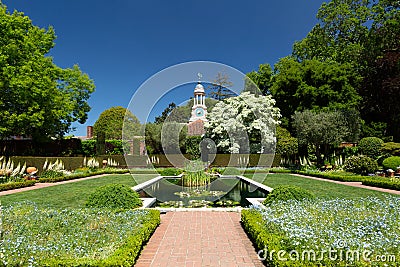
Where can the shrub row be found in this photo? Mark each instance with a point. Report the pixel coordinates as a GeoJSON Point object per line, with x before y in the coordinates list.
{"type": "Point", "coordinates": [126, 255]}
{"type": "Point", "coordinates": [254, 226]}
{"type": "Point", "coordinates": [16, 185]}
{"type": "Point", "coordinates": [329, 176]}
{"type": "Point", "coordinates": [169, 171]}
{"type": "Point", "coordinates": [82, 175]}
{"type": "Point", "coordinates": [383, 183]}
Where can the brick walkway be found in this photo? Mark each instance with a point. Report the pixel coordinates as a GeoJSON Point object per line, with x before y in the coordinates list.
{"type": "Point", "coordinates": [199, 238]}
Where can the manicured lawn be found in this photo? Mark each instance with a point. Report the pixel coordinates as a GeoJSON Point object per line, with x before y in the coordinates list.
{"type": "Point", "coordinates": [321, 189]}
{"type": "Point", "coordinates": [71, 195]}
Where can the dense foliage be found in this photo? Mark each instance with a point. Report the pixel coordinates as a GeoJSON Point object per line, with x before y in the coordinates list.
{"type": "Point", "coordinates": [371, 146]}
{"type": "Point", "coordinates": [324, 130]}
{"type": "Point", "coordinates": [287, 192]}
{"type": "Point", "coordinates": [392, 163]}
{"type": "Point", "coordinates": [37, 98]}
{"type": "Point", "coordinates": [192, 147]}
{"type": "Point", "coordinates": [351, 56]}
{"type": "Point", "coordinates": [115, 121]}
{"type": "Point", "coordinates": [114, 196]}
{"type": "Point", "coordinates": [361, 165]}
{"type": "Point", "coordinates": [391, 148]}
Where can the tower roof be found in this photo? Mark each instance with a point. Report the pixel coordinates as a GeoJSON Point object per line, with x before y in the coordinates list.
{"type": "Point", "coordinates": [199, 88]}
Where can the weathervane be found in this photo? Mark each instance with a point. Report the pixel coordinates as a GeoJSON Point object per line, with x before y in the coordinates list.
{"type": "Point", "coordinates": [200, 76]}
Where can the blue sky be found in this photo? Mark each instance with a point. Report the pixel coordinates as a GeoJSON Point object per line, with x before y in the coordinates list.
{"type": "Point", "coordinates": [122, 43]}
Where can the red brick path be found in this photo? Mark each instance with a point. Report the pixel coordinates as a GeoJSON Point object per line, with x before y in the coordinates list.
{"type": "Point", "coordinates": [199, 238]}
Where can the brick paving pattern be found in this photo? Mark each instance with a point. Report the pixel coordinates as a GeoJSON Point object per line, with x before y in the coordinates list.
{"type": "Point", "coordinates": [199, 238]}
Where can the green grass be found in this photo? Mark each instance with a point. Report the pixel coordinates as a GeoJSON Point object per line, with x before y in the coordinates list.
{"type": "Point", "coordinates": [71, 195]}
{"type": "Point", "coordinates": [321, 189]}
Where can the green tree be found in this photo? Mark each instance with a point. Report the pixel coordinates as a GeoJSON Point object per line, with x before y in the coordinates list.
{"type": "Point", "coordinates": [287, 146]}
{"type": "Point", "coordinates": [260, 80]}
{"type": "Point", "coordinates": [364, 34]}
{"type": "Point", "coordinates": [153, 138]}
{"type": "Point", "coordinates": [313, 85]}
{"type": "Point", "coordinates": [339, 34]}
{"type": "Point", "coordinates": [173, 136]}
{"type": "Point", "coordinates": [220, 87]}
{"type": "Point", "coordinates": [115, 122]}
{"type": "Point", "coordinates": [37, 98]}
{"type": "Point", "coordinates": [323, 130]}
{"type": "Point", "coordinates": [164, 115]}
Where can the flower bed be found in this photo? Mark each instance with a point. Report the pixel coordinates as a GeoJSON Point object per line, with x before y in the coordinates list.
{"type": "Point", "coordinates": [74, 237]}
{"type": "Point", "coordinates": [353, 231]}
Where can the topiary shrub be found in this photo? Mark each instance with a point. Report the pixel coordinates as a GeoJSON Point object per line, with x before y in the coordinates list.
{"type": "Point", "coordinates": [371, 146]}
{"type": "Point", "coordinates": [391, 148]}
{"type": "Point", "coordinates": [360, 165]}
{"type": "Point", "coordinates": [287, 192]}
{"type": "Point", "coordinates": [391, 163]}
{"type": "Point", "coordinates": [114, 196]}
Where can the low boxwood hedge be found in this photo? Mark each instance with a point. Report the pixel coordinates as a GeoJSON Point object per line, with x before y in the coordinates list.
{"type": "Point", "coordinates": [336, 177]}
{"type": "Point", "coordinates": [16, 185]}
{"type": "Point", "coordinates": [82, 175]}
{"type": "Point", "coordinates": [255, 228]}
{"type": "Point", "coordinates": [383, 183]}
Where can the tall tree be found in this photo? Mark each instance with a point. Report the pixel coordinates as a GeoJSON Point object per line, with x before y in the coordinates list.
{"type": "Point", "coordinates": [339, 34]}
{"type": "Point", "coordinates": [37, 98]}
{"type": "Point", "coordinates": [315, 85]}
{"type": "Point", "coordinates": [117, 123]}
{"type": "Point", "coordinates": [220, 87]}
{"type": "Point", "coordinates": [323, 130]}
{"type": "Point", "coordinates": [166, 112]}
{"type": "Point", "coordinates": [261, 78]}
{"type": "Point", "coordinates": [381, 70]}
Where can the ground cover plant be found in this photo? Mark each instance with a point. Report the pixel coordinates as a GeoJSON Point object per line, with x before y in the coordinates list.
{"type": "Point", "coordinates": [354, 231]}
{"type": "Point", "coordinates": [34, 236]}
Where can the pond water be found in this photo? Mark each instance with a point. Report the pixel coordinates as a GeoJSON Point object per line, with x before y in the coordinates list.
{"type": "Point", "coordinates": [221, 192]}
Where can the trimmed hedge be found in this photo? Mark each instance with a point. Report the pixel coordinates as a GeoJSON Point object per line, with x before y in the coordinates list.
{"type": "Point", "coordinates": [82, 175]}
{"type": "Point", "coordinates": [387, 183]}
{"type": "Point", "coordinates": [126, 255]}
{"type": "Point", "coordinates": [169, 171]}
{"type": "Point", "coordinates": [391, 163]}
{"type": "Point", "coordinates": [16, 185]}
{"type": "Point", "coordinates": [335, 177]}
{"type": "Point", "coordinates": [253, 225]}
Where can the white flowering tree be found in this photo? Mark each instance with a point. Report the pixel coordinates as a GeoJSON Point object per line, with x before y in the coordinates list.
{"type": "Point", "coordinates": [244, 124]}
